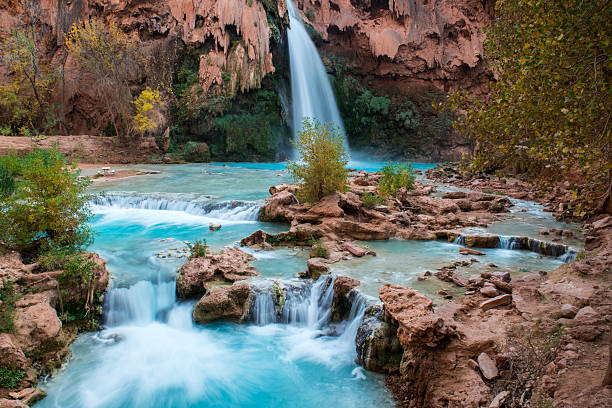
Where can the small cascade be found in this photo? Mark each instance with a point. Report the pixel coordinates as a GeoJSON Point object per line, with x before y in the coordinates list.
{"type": "Point", "coordinates": [460, 240]}
{"type": "Point", "coordinates": [509, 242]}
{"type": "Point", "coordinates": [140, 303]}
{"type": "Point", "coordinates": [296, 303]}
{"type": "Point", "coordinates": [312, 95]}
{"type": "Point", "coordinates": [227, 210]}
{"type": "Point", "coordinates": [263, 309]}
{"type": "Point", "coordinates": [535, 245]}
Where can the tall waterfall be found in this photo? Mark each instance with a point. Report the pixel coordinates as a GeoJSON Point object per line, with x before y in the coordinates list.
{"type": "Point", "coordinates": [311, 91]}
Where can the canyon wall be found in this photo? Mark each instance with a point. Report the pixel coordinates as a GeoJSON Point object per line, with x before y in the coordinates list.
{"type": "Point", "coordinates": [230, 36]}
{"type": "Point", "coordinates": [402, 46]}
{"type": "Point", "coordinates": [227, 69]}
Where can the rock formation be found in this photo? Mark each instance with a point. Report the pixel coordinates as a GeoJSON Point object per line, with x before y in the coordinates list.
{"type": "Point", "coordinates": [401, 45]}
{"type": "Point", "coordinates": [34, 310]}
{"type": "Point", "coordinates": [234, 34]}
{"type": "Point", "coordinates": [199, 274]}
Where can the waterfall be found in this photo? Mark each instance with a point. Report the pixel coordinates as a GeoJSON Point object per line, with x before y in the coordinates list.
{"type": "Point", "coordinates": [234, 210]}
{"type": "Point", "coordinates": [140, 303]}
{"type": "Point", "coordinates": [311, 91]}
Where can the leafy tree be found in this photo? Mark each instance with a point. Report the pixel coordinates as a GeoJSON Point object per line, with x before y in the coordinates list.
{"type": "Point", "coordinates": [396, 176]}
{"type": "Point", "coordinates": [24, 100]}
{"type": "Point", "coordinates": [114, 60]}
{"type": "Point", "coordinates": [148, 105]}
{"type": "Point", "coordinates": [549, 112]}
{"type": "Point", "coordinates": [45, 207]}
{"type": "Point", "coordinates": [322, 161]}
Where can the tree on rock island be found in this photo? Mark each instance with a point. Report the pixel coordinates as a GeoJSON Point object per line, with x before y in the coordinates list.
{"type": "Point", "coordinates": [322, 159]}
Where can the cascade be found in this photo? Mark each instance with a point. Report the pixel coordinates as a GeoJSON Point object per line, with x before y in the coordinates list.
{"type": "Point", "coordinates": [234, 210]}
{"type": "Point", "coordinates": [312, 94]}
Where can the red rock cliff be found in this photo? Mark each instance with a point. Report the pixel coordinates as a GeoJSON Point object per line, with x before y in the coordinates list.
{"type": "Point", "coordinates": [400, 45]}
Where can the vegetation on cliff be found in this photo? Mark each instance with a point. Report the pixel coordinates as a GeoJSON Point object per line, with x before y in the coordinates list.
{"type": "Point", "coordinates": [395, 127]}
{"type": "Point", "coordinates": [548, 115]}
{"type": "Point", "coordinates": [45, 213]}
{"type": "Point", "coordinates": [320, 168]}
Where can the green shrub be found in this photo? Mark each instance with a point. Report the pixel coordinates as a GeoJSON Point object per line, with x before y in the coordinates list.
{"type": "Point", "coordinates": [371, 200]}
{"type": "Point", "coordinates": [396, 176]}
{"type": "Point", "coordinates": [320, 169]}
{"type": "Point", "coordinates": [318, 249]}
{"type": "Point", "coordinates": [10, 378]}
{"type": "Point", "coordinates": [198, 249]}
{"type": "Point", "coordinates": [43, 204]}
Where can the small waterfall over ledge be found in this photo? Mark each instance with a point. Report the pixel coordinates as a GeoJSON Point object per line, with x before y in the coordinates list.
{"type": "Point", "coordinates": [311, 91]}
{"type": "Point", "coordinates": [309, 305]}
{"type": "Point", "coordinates": [234, 210]}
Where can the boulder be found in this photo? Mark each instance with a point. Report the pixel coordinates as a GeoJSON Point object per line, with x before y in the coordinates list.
{"type": "Point", "coordinates": [341, 306]}
{"type": "Point", "coordinates": [229, 266]}
{"type": "Point", "coordinates": [469, 251]}
{"type": "Point", "coordinates": [10, 354]}
{"type": "Point", "coordinates": [454, 195]}
{"type": "Point", "coordinates": [36, 322]}
{"type": "Point", "coordinates": [501, 300]}
{"type": "Point", "coordinates": [355, 250]}
{"type": "Point", "coordinates": [413, 313]}
{"type": "Point", "coordinates": [503, 276]}
{"type": "Point", "coordinates": [487, 366]}
{"type": "Point", "coordinates": [224, 303]}
{"type": "Point", "coordinates": [361, 230]}
{"type": "Point", "coordinates": [378, 348]}
{"type": "Point", "coordinates": [433, 206]}
{"type": "Point", "coordinates": [278, 188]}
{"type": "Point", "coordinates": [489, 291]}
{"type": "Point", "coordinates": [499, 399]}
{"type": "Point", "coordinates": [7, 403]}
{"type": "Point", "coordinates": [317, 267]}
{"type": "Point", "coordinates": [256, 240]}
{"type": "Point", "coordinates": [277, 207]}
{"type": "Point", "coordinates": [568, 311]}
{"type": "Point", "coordinates": [328, 207]}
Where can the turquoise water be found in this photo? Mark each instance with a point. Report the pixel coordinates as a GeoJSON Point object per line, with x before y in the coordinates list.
{"type": "Point", "coordinates": [401, 262]}
{"type": "Point", "coordinates": [150, 354]}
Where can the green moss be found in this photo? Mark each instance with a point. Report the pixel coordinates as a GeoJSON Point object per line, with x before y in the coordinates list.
{"type": "Point", "coordinates": [280, 296]}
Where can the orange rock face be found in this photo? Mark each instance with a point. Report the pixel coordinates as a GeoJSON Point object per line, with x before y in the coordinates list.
{"type": "Point", "coordinates": [236, 34]}
{"type": "Point", "coordinates": [407, 44]}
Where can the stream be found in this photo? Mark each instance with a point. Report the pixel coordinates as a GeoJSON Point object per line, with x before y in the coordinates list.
{"type": "Point", "coordinates": [151, 354]}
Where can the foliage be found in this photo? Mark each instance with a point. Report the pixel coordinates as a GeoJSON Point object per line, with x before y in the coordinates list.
{"type": "Point", "coordinates": [371, 200]}
{"type": "Point", "coordinates": [195, 152]}
{"type": "Point", "coordinates": [548, 115]}
{"type": "Point", "coordinates": [396, 176]}
{"type": "Point", "coordinates": [530, 350]}
{"type": "Point", "coordinates": [318, 249]}
{"type": "Point", "coordinates": [320, 169]}
{"type": "Point", "coordinates": [8, 297]}
{"type": "Point", "coordinates": [198, 249]}
{"type": "Point", "coordinates": [10, 378]}
{"type": "Point", "coordinates": [397, 126]}
{"type": "Point", "coordinates": [47, 205]}
{"type": "Point", "coordinates": [148, 105]}
{"type": "Point", "coordinates": [114, 59]}
{"type": "Point", "coordinates": [24, 99]}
